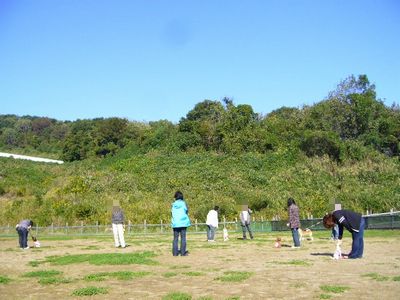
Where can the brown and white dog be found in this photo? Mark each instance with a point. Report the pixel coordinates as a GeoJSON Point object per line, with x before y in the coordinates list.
{"type": "Point", "coordinates": [305, 234]}
{"type": "Point", "coordinates": [225, 234]}
{"type": "Point", "coordinates": [278, 242]}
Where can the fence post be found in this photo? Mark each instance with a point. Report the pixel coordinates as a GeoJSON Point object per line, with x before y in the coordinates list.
{"type": "Point", "coordinates": [8, 225]}
{"type": "Point", "coordinates": [262, 223]}
{"type": "Point", "coordinates": [196, 224]}
{"type": "Point", "coordinates": [236, 224]}
{"type": "Point", "coordinates": [97, 227]}
{"type": "Point", "coordinates": [161, 227]}
{"type": "Point", "coordinates": [81, 227]}
{"type": "Point", "coordinates": [66, 228]}
{"type": "Point", "coordinates": [224, 222]}
{"type": "Point", "coordinates": [52, 228]}
{"type": "Point", "coordinates": [145, 226]}
{"type": "Point", "coordinates": [129, 227]}
{"type": "Point", "coordinates": [37, 228]}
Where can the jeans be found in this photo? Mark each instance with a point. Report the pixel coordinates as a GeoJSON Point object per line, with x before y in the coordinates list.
{"type": "Point", "coordinates": [357, 247]}
{"type": "Point", "coordinates": [295, 235]}
{"type": "Point", "coordinates": [182, 232]}
{"type": "Point", "coordinates": [118, 231]}
{"type": "Point", "coordinates": [246, 227]}
{"type": "Point", "coordinates": [335, 232]}
{"type": "Point", "coordinates": [211, 232]}
{"type": "Point", "coordinates": [23, 237]}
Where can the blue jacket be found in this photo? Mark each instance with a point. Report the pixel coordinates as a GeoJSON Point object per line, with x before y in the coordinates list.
{"type": "Point", "coordinates": [180, 216]}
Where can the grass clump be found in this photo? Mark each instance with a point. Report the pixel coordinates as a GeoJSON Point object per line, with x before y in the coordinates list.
{"type": "Point", "coordinates": [120, 275]}
{"type": "Point", "coordinates": [294, 262]}
{"type": "Point", "coordinates": [177, 296]}
{"type": "Point", "coordinates": [4, 279]}
{"type": "Point", "coordinates": [376, 276]}
{"type": "Point", "coordinates": [143, 258]}
{"type": "Point", "coordinates": [170, 274]}
{"type": "Point", "coordinates": [193, 273]}
{"type": "Point", "coordinates": [53, 280]}
{"type": "Point", "coordinates": [43, 273]}
{"type": "Point", "coordinates": [89, 291]}
{"type": "Point", "coordinates": [325, 296]}
{"type": "Point", "coordinates": [234, 276]}
{"type": "Point", "coordinates": [396, 278]}
{"type": "Point", "coordinates": [336, 289]}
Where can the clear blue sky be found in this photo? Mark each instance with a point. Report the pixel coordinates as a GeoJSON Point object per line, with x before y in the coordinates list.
{"type": "Point", "coordinates": [149, 60]}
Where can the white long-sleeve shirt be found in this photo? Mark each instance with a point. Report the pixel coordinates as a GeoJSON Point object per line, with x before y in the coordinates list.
{"type": "Point", "coordinates": [212, 218]}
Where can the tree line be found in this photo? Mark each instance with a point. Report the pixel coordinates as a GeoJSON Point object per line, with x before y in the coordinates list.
{"type": "Point", "coordinates": [349, 119]}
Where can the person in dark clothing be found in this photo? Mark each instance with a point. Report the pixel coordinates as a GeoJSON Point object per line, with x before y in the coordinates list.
{"type": "Point", "coordinates": [354, 223]}
{"type": "Point", "coordinates": [23, 228]}
{"type": "Point", "coordinates": [294, 221]}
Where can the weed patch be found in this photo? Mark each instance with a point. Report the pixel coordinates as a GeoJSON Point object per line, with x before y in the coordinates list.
{"type": "Point", "coordinates": [53, 280]}
{"type": "Point", "coordinates": [120, 275]}
{"type": "Point", "coordinates": [143, 258]}
{"type": "Point", "coordinates": [396, 278]}
{"type": "Point", "coordinates": [294, 262]}
{"type": "Point", "coordinates": [43, 273]}
{"type": "Point", "coordinates": [90, 291]}
{"type": "Point", "coordinates": [177, 296]}
{"type": "Point", "coordinates": [4, 279]}
{"type": "Point", "coordinates": [193, 273]}
{"type": "Point", "coordinates": [234, 276]}
{"type": "Point", "coordinates": [170, 274]}
{"type": "Point", "coordinates": [336, 289]}
{"type": "Point", "coordinates": [376, 276]}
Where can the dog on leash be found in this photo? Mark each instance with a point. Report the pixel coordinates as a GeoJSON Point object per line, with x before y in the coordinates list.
{"type": "Point", "coordinates": [225, 234]}
{"type": "Point", "coordinates": [305, 233]}
{"type": "Point", "coordinates": [338, 252]}
{"type": "Point", "coordinates": [278, 242]}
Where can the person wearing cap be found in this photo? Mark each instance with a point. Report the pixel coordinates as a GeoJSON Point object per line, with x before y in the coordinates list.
{"type": "Point", "coordinates": [23, 228]}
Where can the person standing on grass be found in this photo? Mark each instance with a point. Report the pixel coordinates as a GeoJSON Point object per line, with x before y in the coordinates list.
{"type": "Point", "coordinates": [117, 220]}
{"type": "Point", "coordinates": [245, 220]}
{"type": "Point", "coordinates": [23, 228]}
{"type": "Point", "coordinates": [179, 223]}
{"type": "Point", "coordinates": [294, 221]}
{"type": "Point", "coordinates": [355, 223]}
{"type": "Point", "coordinates": [212, 223]}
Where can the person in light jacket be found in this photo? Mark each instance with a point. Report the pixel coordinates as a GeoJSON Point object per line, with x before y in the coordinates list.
{"type": "Point", "coordinates": [117, 220]}
{"type": "Point", "coordinates": [212, 223]}
{"type": "Point", "coordinates": [180, 222]}
{"type": "Point", "coordinates": [245, 220]}
{"type": "Point", "coordinates": [294, 221]}
{"type": "Point", "coordinates": [23, 228]}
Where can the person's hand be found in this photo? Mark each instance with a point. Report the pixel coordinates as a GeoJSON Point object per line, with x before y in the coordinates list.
{"type": "Point", "coordinates": [287, 224]}
{"type": "Point", "coordinates": [338, 242]}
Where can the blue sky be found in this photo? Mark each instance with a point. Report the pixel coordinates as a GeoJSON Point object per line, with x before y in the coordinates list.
{"type": "Point", "coordinates": [150, 60]}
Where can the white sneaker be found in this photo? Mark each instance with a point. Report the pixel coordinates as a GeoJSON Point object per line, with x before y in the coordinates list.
{"type": "Point", "coordinates": [26, 247]}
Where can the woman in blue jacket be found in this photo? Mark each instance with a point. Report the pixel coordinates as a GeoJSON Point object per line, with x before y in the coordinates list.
{"type": "Point", "coordinates": [180, 221]}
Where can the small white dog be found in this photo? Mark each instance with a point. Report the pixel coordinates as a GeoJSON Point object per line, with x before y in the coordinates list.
{"type": "Point", "coordinates": [338, 252]}
{"type": "Point", "coordinates": [225, 234]}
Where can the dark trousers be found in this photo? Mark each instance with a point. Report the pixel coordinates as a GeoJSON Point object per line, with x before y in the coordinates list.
{"type": "Point", "coordinates": [296, 238]}
{"type": "Point", "coordinates": [246, 227]}
{"type": "Point", "coordinates": [23, 237]}
{"type": "Point", "coordinates": [181, 231]}
{"type": "Point", "coordinates": [357, 247]}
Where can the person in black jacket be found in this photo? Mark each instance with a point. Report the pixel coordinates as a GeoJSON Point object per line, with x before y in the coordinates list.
{"type": "Point", "coordinates": [354, 222]}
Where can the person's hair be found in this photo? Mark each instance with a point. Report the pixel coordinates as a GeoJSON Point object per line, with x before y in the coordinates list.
{"type": "Point", "coordinates": [31, 223]}
{"type": "Point", "coordinates": [216, 207]}
{"type": "Point", "coordinates": [178, 195]}
{"type": "Point", "coordinates": [116, 208]}
{"type": "Point", "coordinates": [290, 201]}
{"type": "Point", "coordinates": [328, 221]}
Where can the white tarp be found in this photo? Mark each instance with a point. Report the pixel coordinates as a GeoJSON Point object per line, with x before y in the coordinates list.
{"type": "Point", "coordinates": [17, 156]}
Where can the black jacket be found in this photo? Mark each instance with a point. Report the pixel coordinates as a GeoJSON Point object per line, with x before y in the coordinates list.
{"type": "Point", "coordinates": [347, 218]}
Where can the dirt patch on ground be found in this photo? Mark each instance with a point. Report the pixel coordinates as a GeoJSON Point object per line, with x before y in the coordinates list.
{"type": "Point", "coordinates": [283, 273]}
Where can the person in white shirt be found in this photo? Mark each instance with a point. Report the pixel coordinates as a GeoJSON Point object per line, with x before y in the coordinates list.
{"type": "Point", "coordinates": [212, 223]}
{"type": "Point", "coordinates": [245, 220]}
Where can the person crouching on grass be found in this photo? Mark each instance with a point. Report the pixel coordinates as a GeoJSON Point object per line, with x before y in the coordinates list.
{"type": "Point", "coordinates": [355, 223]}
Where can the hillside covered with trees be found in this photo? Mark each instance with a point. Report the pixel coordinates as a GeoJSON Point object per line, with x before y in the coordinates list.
{"type": "Point", "coordinates": [344, 148]}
